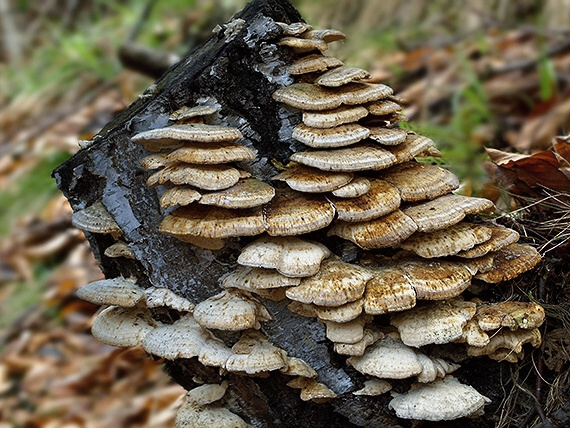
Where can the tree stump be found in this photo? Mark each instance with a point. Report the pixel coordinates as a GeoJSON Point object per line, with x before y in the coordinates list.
{"type": "Point", "coordinates": [238, 68]}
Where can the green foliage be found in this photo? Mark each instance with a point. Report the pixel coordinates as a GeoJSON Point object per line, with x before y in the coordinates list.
{"type": "Point", "coordinates": [30, 193]}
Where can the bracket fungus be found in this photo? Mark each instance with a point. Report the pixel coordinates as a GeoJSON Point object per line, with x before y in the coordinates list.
{"type": "Point", "coordinates": [354, 234]}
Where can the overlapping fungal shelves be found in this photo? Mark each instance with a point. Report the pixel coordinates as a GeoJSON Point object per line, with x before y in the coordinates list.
{"type": "Point", "coordinates": [266, 228]}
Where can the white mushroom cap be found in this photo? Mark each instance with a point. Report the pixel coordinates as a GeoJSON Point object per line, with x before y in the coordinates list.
{"type": "Point", "coordinates": [388, 136]}
{"type": "Point", "coordinates": [374, 387]}
{"type": "Point", "coordinates": [339, 314]}
{"type": "Point", "coordinates": [432, 368]}
{"type": "Point", "coordinates": [370, 336]}
{"type": "Point", "coordinates": [207, 177]}
{"type": "Point", "coordinates": [312, 180]}
{"type": "Point", "coordinates": [445, 211]}
{"type": "Point", "coordinates": [254, 354]}
{"type": "Point", "coordinates": [154, 161]}
{"type": "Point", "coordinates": [214, 353]}
{"type": "Point", "coordinates": [381, 199]}
{"type": "Point", "coordinates": [384, 107]}
{"type": "Point", "coordinates": [446, 242]}
{"type": "Point", "coordinates": [335, 117]}
{"type": "Point", "coordinates": [211, 153]}
{"type": "Point", "coordinates": [188, 132]}
{"type": "Point", "coordinates": [500, 238]}
{"type": "Point", "coordinates": [435, 322]}
{"type": "Point", "coordinates": [185, 112]}
{"type": "Point", "coordinates": [313, 63]}
{"type": "Point", "coordinates": [207, 394]}
{"type": "Point", "coordinates": [182, 339]}
{"type": "Point", "coordinates": [327, 34]}
{"type": "Point", "coordinates": [123, 327]}
{"type": "Point", "coordinates": [441, 400]}
{"type": "Point", "coordinates": [357, 187]}
{"type": "Point", "coordinates": [381, 232]}
{"type": "Point", "coordinates": [159, 297]}
{"type": "Point", "coordinates": [389, 290]}
{"type": "Point", "coordinates": [179, 195]}
{"type": "Point", "coordinates": [327, 138]}
{"type": "Point", "coordinates": [507, 345]}
{"type": "Point", "coordinates": [301, 45]}
{"type": "Point", "coordinates": [341, 76]}
{"type": "Point", "coordinates": [251, 278]}
{"type": "Point", "coordinates": [360, 157]}
{"type": "Point", "coordinates": [212, 222]}
{"type": "Point", "coordinates": [335, 284]}
{"type": "Point", "coordinates": [347, 332]}
{"type": "Point", "coordinates": [248, 193]}
{"type": "Point", "coordinates": [413, 146]}
{"type": "Point", "coordinates": [96, 219]}
{"type": "Point", "coordinates": [298, 367]}
{"type": "Point", "coordinates": [312, 390]}
{"type": "Point", "coordinates": [291, 256]}
{"type": "Point", "coordinates": [296, 28]}
{"type": "Point", "coordinates": [230, 311]}
{"type": "Point", "coordinates": [118, 291]}
{"type": "Point", "coordinates": [388, 358]}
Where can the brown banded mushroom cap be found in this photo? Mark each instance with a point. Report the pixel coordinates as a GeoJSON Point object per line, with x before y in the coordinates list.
{"type": "Point", "coordinates": [509, 262]}
{"type": "Point", "coordinates": [247, 193]}
{"type": "Point", "coordinates": [313, 63]}
{"type": "Point", "coordinates": [357, 349]}
{"type": "Point", "coordinates": [157, 297]}
{"type": "Point", "coordinates": [207, 177]}
{"type": "Point", "coordinates": [311, 180]}
{"type": "Point", "coordinates": [388, 291]}
{"type": "Point", "coordinates": [124, 327]}
{"type": "Point", "coordinates": [500, 238]}
{"type": "Point", "coordinates": [333, 118]}
{"type": "Point", "coordinates": [381, 232]}
{"type": "Point", "coordinates": [507, 344]}
{"type": "Point", "coordinates": [492, 316]}
{"type": "Point", "coordinates": [198, 132]}
{"type": "Point", "coordinates": [291, 256]}
{"type": "Point", "coordinates": [479, 264]}
{"type": "Point", "coordinates": [312, 390]}
{"type": "Point", "coordinates": [446, 242]}
{"type": "Point", "coordinates": [326, 138]}
{"type": "Point", "coordinates": [442, 400]}
{"type": "Point", "coordinates": [384, 107]}
{"type": "Point", "coordinates": [341, 76]}
{"type": "Point", "coordinates": [296, 28]}
{"type": "Point", "coordinates": [294, 213]}
{"type": "Point", "coordinates": [181, 339]}
{"type": "Point", "coordinates": [335, 284]}
{"type": "Point", "coordinates": [154, 161]}
{"type": "Point", "coordinates": [119, 249]}
{"type": "Point", "coordinates": [300, 45]}
{"type": "Point", "coordinates": [254, 354]}
{"type": "Point", "coordinates": [327, 34]}
{"type": "Point", "coordinates": [381, 199]}
{"type": "Point", "coordinates": [347, 332]}
{"type": "Point", "coordinates": [179, 195]}
{"type": "Point", "coordinates": [436, 279]}
{"type": "Point", "coordinates": [357, 187]}
{"type": "Point", "coordinates": [435, 322]}
{"type": "Point", "coordinates": [388, 358]}
{"type": "Point", "coordinates": [230, 311]}
{"type": "Point", "coordinates": [255, 278]}
{"type": "Point", "coordinates": [418, 181]}
{"type": "Point", "coordinates": [118, 291]}
{"type": "Point", "coordinates": [446, 211]}
{"type": "Point", "coordinates": [96, 219]}
{"type": "Point", "coordinates": [413, 146]}
{"type": "Point", "coordinates": [388, 136]}
{"type": "Point", "coordinates": [307, 96]}
{"type": "Point", "coordinates": [211, 153]}
{"type": "Point", "coordinates": [374, 387]}
{"type": "Point", "coordinates": [360, 157]}
{"type": "Point", "coordinates": [185, 112]}
{"type": "Point", "coordinates": [212, 222]}
{"type": "Point", "coordinates": [339, 314]}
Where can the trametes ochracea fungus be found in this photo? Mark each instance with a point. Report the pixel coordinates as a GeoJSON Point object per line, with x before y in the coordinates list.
{"type": "Point", "coordinates": [360, 179]}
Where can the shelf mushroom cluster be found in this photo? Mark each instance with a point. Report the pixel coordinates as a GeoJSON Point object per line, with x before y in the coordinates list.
{"type": "Point", "coordinates": [358, 177]}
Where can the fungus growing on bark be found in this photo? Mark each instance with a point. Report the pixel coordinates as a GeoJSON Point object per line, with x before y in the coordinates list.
{"type": "Point", "coordinates": [372, 192]}
{"type": "Point", "coordinates": [96, 219]}
{"type": "Point", "coordinates": [123, 292]}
